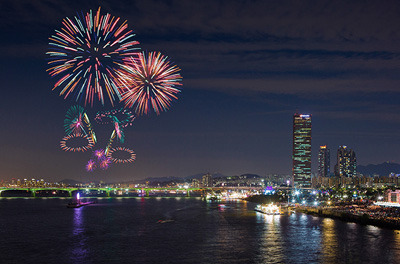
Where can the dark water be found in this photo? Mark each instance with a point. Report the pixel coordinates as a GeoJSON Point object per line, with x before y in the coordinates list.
{"type": "Point", "coordinates": [128, 231]}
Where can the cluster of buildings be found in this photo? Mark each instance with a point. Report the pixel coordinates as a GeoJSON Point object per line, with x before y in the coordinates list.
{"type": "Point", "coordinates": [344, 169]}
{"type": "Point", "coordinates": [205, 181]}
{"type": "Point", "coordinates": [344, 173]}
{"type": "Point", "coordinates": [32, 183]}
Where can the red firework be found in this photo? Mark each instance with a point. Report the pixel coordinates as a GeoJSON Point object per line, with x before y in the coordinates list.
{"type": "Point", "coordinates": [153, 83]}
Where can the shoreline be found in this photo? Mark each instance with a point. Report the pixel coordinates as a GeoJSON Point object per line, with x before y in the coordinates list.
{"type": "Point", "coordinates": [364, 219]}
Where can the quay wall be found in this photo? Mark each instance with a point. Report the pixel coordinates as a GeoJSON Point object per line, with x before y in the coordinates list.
{"type": "Point", "coordinates": [363, 219]}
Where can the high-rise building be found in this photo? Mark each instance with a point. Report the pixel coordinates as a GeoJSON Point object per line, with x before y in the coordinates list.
{"type": "Point", "coordinates": [324, 162]}
{"type": "Point", "coordinates": [207, 180]}
{"type": "Point", "coordinates": [346, 162]}
{"type": "Point", "coordinates": [302, 150]}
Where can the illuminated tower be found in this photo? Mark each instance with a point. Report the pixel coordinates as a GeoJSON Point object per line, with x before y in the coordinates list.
{"type": "Point", "coordinates": [324, 161]}
{"type": "Point", "coordinates": [302, 150]}
{"type": "Point", "coordinates": [346, 162]}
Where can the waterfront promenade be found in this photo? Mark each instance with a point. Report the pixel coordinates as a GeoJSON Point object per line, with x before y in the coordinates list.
{"type": "Point", "coordinates": [368, 214]}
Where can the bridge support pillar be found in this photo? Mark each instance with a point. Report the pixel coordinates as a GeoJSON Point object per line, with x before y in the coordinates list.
{"type": "Point", "coordinates": [33, 193]}
{"type": "Point", "coordinates": [70, 193]}
{"type": "Point", "coordinates": [147, 193]}
{"type": "Point", "coordinates": [188, 193]}
{"type": "Point", "coordinates": [108, 193]}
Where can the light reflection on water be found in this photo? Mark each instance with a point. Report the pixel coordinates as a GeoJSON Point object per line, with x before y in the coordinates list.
{"type": "Point", "coordinates": [271, 242]}
{"type": "Point", "coordinates": [79, 248]}
{"type": "Point", "coordinates": [182, 230]}
{"type": "Point", "coordinates": [329, 245]}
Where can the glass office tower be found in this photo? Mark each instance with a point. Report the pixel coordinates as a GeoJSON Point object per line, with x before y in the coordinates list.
{"type": "Point", "coordinates": [302, 150]}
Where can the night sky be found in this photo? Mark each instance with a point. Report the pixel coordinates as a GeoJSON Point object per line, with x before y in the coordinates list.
{"type": "Point", "coordinates": [247, 67]}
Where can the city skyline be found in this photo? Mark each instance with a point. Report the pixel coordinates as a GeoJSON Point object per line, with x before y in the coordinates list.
{"type": "Point", "coordinates": [247, 68]}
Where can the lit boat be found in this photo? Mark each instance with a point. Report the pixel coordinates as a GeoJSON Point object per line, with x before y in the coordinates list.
{"type": "Point", "coordinates": [213, 197]}
{"type": "Point", "coordinates": [270, 209]}
{"type": "Point", "coordinates": [78, 204]}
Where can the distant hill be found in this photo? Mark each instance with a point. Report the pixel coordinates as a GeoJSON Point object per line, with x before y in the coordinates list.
{"type": "Point", "coordinates": [200, 175]}
{"type": "Point", "coordinates": [383, 169]}
{"type": "Point", "coordinates": [160, 179]}
{"type": "Point", "coordinates": [250, 175]}
{"type": "Point", "coordinates": [70, 182]}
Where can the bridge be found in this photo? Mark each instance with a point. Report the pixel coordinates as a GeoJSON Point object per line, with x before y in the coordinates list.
{"type": "Point", "coordinates": [121, 192]}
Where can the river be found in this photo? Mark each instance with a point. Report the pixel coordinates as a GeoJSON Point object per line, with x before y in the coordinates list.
{"type": "Point", "coordinates": [181, 230]}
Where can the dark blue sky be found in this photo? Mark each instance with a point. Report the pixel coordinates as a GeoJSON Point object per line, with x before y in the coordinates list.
{"type": "Point", "coordinates": [247, 66]}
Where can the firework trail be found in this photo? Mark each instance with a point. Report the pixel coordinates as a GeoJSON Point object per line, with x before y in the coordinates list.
{"type": "Point", "coordinates": [153, 82]}
{"type": "Point", "coordinates": [119, 132]}
{"type": "Point", "coordinates": [110, 142]}
{"type": "Point", "coordinates": [86, 55]}
{"type": "Point", "coordinates": [90, 128]}
{"type": "Point", "coordinates": [74, 122]}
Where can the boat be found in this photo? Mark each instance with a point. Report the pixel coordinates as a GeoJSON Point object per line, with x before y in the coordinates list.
{"type": "Point", "coordinates": [78, 204]}
{"type": "Point", "coordinates": [269, 209]}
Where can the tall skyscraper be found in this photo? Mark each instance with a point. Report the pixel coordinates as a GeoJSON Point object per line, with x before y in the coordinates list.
{"type": "Point", "coordinates": [302, 150]}
{"type": "Point", "coordinates": [346, 162]}
{"type": "Point", "coordinates": [324, 162]}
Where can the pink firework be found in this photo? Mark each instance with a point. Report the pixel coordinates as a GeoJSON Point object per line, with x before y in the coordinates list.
{"type": "Point", "coordinates": [119, 132]}
{"type": "Point", "coordinates": [91, 165]}
{"type": "Point", "coordinates": [105, 163]}
{"type": "Point", "coordinates": [76, 125]}
{"type": "Point", "coordinates": [153, 83]}
{"type": "Point", "coordinates": [99, 154]}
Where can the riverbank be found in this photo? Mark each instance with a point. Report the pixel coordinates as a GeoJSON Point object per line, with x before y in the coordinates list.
{"type": "Point", "coordinates": [344, 215]}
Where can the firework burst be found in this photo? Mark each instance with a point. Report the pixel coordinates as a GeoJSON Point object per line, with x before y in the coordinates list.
{"type": "Point", "coordinates": [105, 163]}
{"type": "Point", "coordinates": [91, 165]}
{"type": "Point", "coordinates": [74, 122]}
{"type": "Point", "coordinates": [123, 116]}
{"type": "Point", "coordinates": [65, 147]}
{"type": "Point", "coordinates": [99, 154]}
{"type": "Point", "coordinates": [87, 54]}
{"type": "Point", "coordinates": [152, 85]}
{"type": "Point", "coordinates": [131, 153]}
